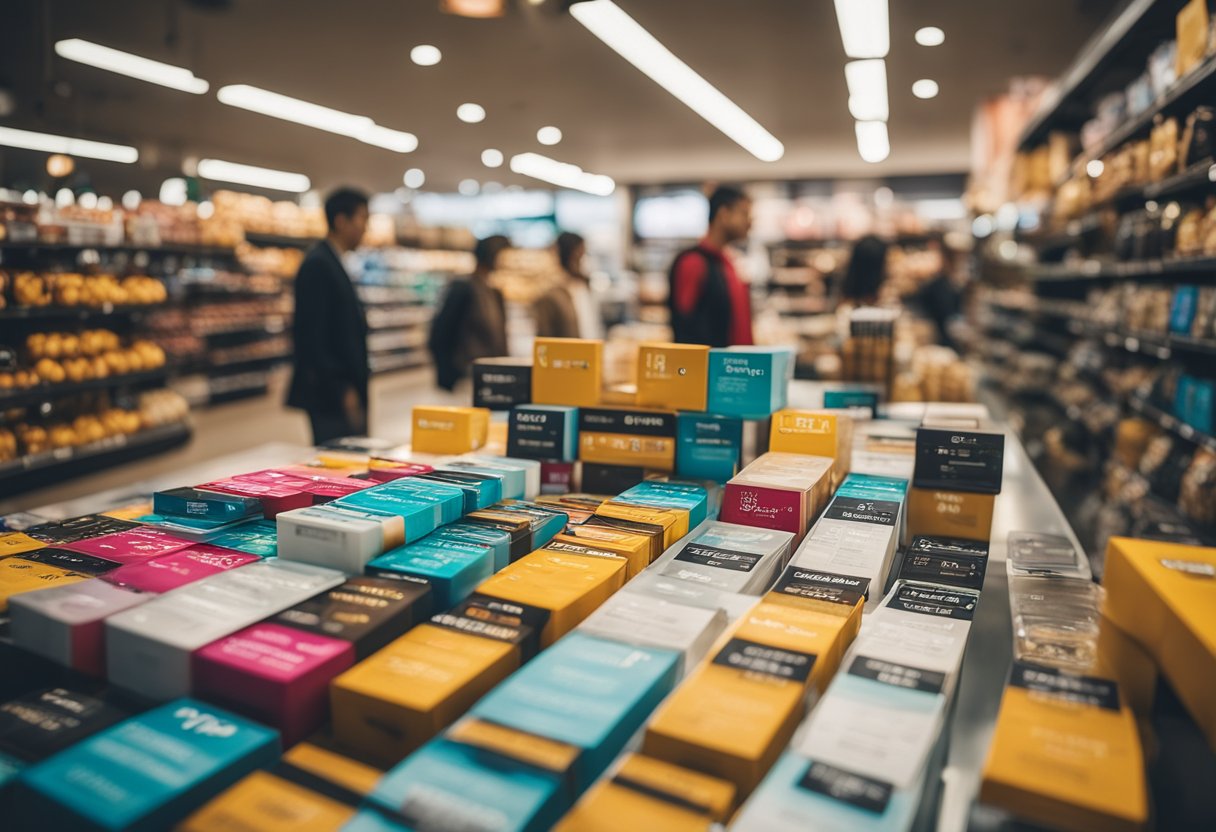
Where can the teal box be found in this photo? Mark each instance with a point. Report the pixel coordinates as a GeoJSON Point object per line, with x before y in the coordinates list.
{"type": "Point", "coordinates": [485, 487]}
{"type": "Point", "coordinates": [498, 540]}
{"type": "Point", "coordinates": [708, 447]}
{"type": "Point", "coordinates": [146, 773]}
{"type": "Point", "coordinates": [547, 523]}
{"type": "Point", "coordinates": [422, 513]}
{"type": "Point", "coordinates": [543, 431]}
{"type": "Point", "coordinates": [370, 820]}
{"type": "Point", "coordinates": [587, 692]}
{"type": "Point", "coordinates": [452, 568]}
{"type": "Point", "coordinates": [516, 473]}
{"type": "Point", "coordinates": [448, 785]}
{"type": "Point", "coordinates": [259, 538]}
{"type": "Point", "coordinates": [448, 498]}
{"type": "Point", "coordinates": [751, 382]}
{"type": "Point", "coordinates": [662, 494]}
{"type": "Point", "coordinates": [867, 487]}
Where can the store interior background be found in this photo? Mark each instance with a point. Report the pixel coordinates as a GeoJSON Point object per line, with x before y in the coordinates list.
{"type": "Point", "coordinates": [226, 252]}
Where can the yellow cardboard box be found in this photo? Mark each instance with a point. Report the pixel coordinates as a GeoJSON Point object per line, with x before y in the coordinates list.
{"type": "Point", "coordinates": [815, 433]}
{"type": "Point", "coordinates": [673, 521]}
{"type": "Point", "coordinates": [449, 430]}
{"type": "Point", "coordinates": [263, 802]}
{"type": "Point", "coordinates": [567, 371]}
{"type": "Point", "coordinates": [673, 376]}
{"type": "Point", "coordinates": [964, 514]}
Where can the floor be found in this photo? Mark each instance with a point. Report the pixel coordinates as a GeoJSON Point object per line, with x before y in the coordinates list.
{"type": "Point", "coordinates": [231, 428]}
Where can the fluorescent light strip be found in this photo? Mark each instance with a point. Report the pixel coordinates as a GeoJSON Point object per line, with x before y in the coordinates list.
{"type": "Point", "coordinates": [29, 140]}
{"type": "Point", "coordinates": [397, 140]}
{"type": "Point", "coordinates": [295, 110]}
{"type": "Point", "coordinates": [867, 82]}
{"type": "Point", "coordinates": [276, 180]}
{"type": "Point", "coordinates": [872, 141]}
{"type": "Point", "coordinates": [562, 174]}
{"type": "Point", "coordinates": [865, 28]}
{"type": "Point", "coordinates": [133, 66]}
{"type": "Point", "coordinates": [608, 22]}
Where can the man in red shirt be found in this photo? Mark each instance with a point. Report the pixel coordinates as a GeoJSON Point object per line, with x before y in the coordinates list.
{"type": "Point", "coordinates": [709, 303]}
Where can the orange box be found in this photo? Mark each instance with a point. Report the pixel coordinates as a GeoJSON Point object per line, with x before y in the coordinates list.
{"type": "Point", "coordinates": [673, 376]}
{"type": "Point", "coordinates": [449, 430]}
{"type": "Point", "coordinates": [964, 514]}
{"type": "Point", "coordinates": [567, 371]}
{"type": "Point", "coordinates": [816, 433]}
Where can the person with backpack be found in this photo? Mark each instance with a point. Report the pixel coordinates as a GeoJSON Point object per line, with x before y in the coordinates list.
{"type": "Point", "coordinates": [709, 303]}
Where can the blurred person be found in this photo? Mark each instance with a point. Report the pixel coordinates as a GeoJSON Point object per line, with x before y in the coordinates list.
{"type": "Point", "coordinates": [569, 309]}
{"type": "Point", "coordinates": [330, 372]}
{"type": "Point", "coordinates": [709, 303]}
{"type": "Point", "coordinates": [940, 298]}
{"type": "Point", "coordinates": [472, 320]}
{"type": "Point", "coordinates": [866, 272]}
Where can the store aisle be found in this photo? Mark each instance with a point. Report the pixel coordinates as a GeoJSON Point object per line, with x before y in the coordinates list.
{"type": "Point", "coordinates": [231, 428]}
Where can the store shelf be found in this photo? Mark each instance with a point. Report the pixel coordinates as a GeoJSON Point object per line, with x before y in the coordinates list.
{"type": "Point", "coordinates": [278, 240]}
{"type": "Point", "coordinates": [1171, 424]}
{"type": "Point", "coordinates": [277, 358]}
{"type": "Point", "coordinates": [1107, 270]}
{"type": "Point", "coordinates": [46, 392]}
{"type": "Point", "coordinates": [167, 249]}
{"type": "Point", "coordinates": [1151, 344]}
{"type": "Point", "coordinates": [1198, 176]}
{"type": "Point", "coordinates": [78, 313]}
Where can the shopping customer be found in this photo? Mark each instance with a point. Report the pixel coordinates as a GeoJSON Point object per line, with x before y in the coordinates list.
{"type": "Point", "coordinates": [709, 303]}
{"type": "Point", "coordinates": [569, 309]}
{"type": "Point", "coordinates": [472, 320]}
{"type": "Point", "coordinates": [329, 365]}
{"type": "Point", "coordinates": [866, 272]}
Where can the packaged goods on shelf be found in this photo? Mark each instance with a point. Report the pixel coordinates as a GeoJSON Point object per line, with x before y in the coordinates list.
{"type": "Point", "coordinates": [44, 722]}
{"type": "Point", "coordinates": [779, 491]}
{"type": "Point", "coordinates": [567, 371]}
{"type": "Point", "coordinates": [632, 617]}
{"type": "Point", "coordinates": [674, 376]}
{"type": "Point", "coordinates": [946, 561]}
{"type": "Point", "coordinates": [728, 557]}
{"type": "Point", "coordinates": [502, 383]}
{"type": "Point", "coordinates": [543, 432]}
{"type": "Point", "coordinates": [750, 382]}
{"type": "Point", "coordinates": [815, 433]}
{"type": "Point", "coordinates": [449, 430]}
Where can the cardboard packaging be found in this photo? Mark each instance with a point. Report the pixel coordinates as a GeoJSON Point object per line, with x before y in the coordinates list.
{"type": "Point", "coordinates": [148, 772]}
{"type": "Point", "coordinates": [337, 536]}
{"type": "Point", "coordinates": [635, 548]}
{"type": "Point", "coordinates": [674, 376]}
{"type": "Point", "coordinates": [328, 769]}
{"type": "Point", "coordinates": [645, 793]}
{"type": "Point", "coordinates": [514, 524]}
{"type": "Point", "coordinates": [673, 523]}
{"type": "Point", "coordinates": [205, 505]}
{"type": "Point", "coordinates": [778, 491]}
{"type": "Point", "coordinates": [449, 430]}
{"type": "Point", "coordinates": [567, 371]}
{"type": "Point", "coordinates": [543, 432]}
{"type": "Point", "coordinates": [176, 569]}
{"type": "Point", "coordinates": [273, 497]}
{"type": "Point", "coordinates": [502, 383]}
{"type": "Point", "coordinates": [751, 382]}
{"type": "Point", "coordinates": [1097, 785]}
{"type": "Point", "coordinates": [16, 543]}
{"type": "Point", "coordinates": [611, 479]}
{"type": "Point", "coordinates": [76, 529]}
{"type": "Point", "coordinates": [131, 546]}
{"type": "Point", "coordinates": [40, 724]}
{"type": "Point", "coordinates": [616, 436]}
{"type": "Point", "coordinates": [635, 618]}
{"type": "Point", "coordinates": [962, 514]}
{"type": "Point", "coordinates": [387, 470]}
{"type": "Point", "coordinates": [276, 675]}
{"type": "Point", "coordinates": [1163, 595]}
{"type": "Point", "coordinates": [678, 496]}
{"type": "Point", "coordinates": [635, 561]}
{"type": "Point", "coordinates": [522, 475]}
{"type": "Point", "coordinates": [946, 561]}
{"type": "Point", "coordinates": [367, 612]}
{"type": "Point", "coordinates": [815, 433]}
{"type": "Point", "coordinates": [1122, 658]}
{"type": "Point", "coordinates": [497, 540]}
{"type": "Point", "coordinates": [410, 498]}
{"type": "Point", "coordinates": [708, 446]}
{"type": "Point", "coordinates": [729, 557]}
{"type": "Point", "coordinates": [20, 574]}
{"type": "Point", "coordinates": [481, 490]}
{"type": "Point", "coordinates": [547, 521]}
{"type": "Point", "coordinates": [259, 538]}
{"type": "Point", "coordinates": [149, 647]}
{"type": "Point", "coordinates": [450, 567]}
{"type": "Point", "coordinates": [66, 623]}
{"type": "Point", "coordinates": [322, 487]}
{"type": "Point", "coordinates": [959, 460]}
{"type": "Point", "coordinates": [263, 802]}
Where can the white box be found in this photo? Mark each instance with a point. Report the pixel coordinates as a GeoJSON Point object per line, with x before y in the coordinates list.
{"type": "Point", "coordinates": [65, 623]}
{"type": "Point", "coordinates": [728, 557]}
{"type": "Point", "coordinates": [337, 537]}
{"type": "Point", "coordinates": [634, 618]}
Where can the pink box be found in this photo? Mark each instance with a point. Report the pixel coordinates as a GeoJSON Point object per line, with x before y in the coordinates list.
{"type": "Point", "coordinates": [322, 488]}
{"type": "Point", "coordinates": [166, 572]}
{"type": "Point", "coordinates": [393, 470]}
{"type": "Point", "coordinates": [766, 508]}
{"type": "Point", "coordinates": [274, 674]}
{"type": "Point", "coordinates": [556, 477]}
{"type": "Point", "coordinates": [131, 546]}
{"type": "Point", "coordinates": [275, 497]}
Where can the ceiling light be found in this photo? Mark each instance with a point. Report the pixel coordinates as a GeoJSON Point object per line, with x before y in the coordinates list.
{"type": "Point", "coordinates": [88, 200]}
{"type": "Point", "coordinates": [468, 187]}
{"type": "Point", "coordinates": [549, 135]}
{"type": "Point", "coordinates": [474, 8]}
{"type": "Point", "coordinates": [864, 28]}
{"type": "Point", "coordinates": [872, 141]}
{"type": "Point", "coordinates": [293, 109]}
{"type": "Point", "coordinates": [276, 180]}
{"type": "Point", "coordinates": [426, 55]}
{"type": "Point", "coordinates": [64, 198]}
{"type": "Point", "coordinates": [925, 88]}
{"type": "Point", "coordinates": [608, 22]}
{"type": "Point", "coordinates": [867, 81]}
{"type": "Point", "coordinates": [29, 140]}
{"type": "Point", "coordinates": [414, 178]}
{"type": "Point", "coordinates": [1094, 168]}
{"type": "Point", "coordinates": [562, 174]}
{"type": "Point", "coordinates": [471, 113]}
{"type": "Point", "coordinates": [930, 36]}
{"type": "Point", "coordinates": [491, 158]}
{"type": "Point", "coordinates": [133, 66]}
{"type": "Point", "coordinates": [396, 140]}
{"type": "Point", "coordinates": [58, 165]}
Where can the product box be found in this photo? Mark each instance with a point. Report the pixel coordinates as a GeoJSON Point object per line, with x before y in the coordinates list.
{"type": "Point", "coordinates": [341, 537]}
{"type": "Point", "coordinates": [502, 383]}
{"type": "Point", "coordinates": [673, 376]}
{"type": "Point", "coordinates": [1164, 596]}
{"type": "Point", "coordinates": [567, 371]}
{"type": "Point", "coordinates": [729, 557]}
{"type": "Point", "coordinates": [260, 538]}
{"type": "Point", "coordinates": [635, 560]}
{"type": "Point", "coordinates": [274, 497]}
{"type": "Point", "coordinates": [708, 446]}
{"type": "Point", "coordinates": [636, 548]}
{"type": "Point", "coordinates": [680, 496]}
{"type": "Point", "coordinates": [547, 521]}
{"type": "Point", "coordinates": [16, 543]}
{"type": "Point", "coordinates": [322, 766]}
{"type": "Point", "coordinates": [815, 433]}
{"type": "Point", "coordinates": [205, 505]}
{"type": "Point", "coordinates": [146, 773]}
{"type": "Point", "coordinates": [410, 498]}
{"type": "Point", "coordinates": [1098, 784]}
{"type": "Point", "coordinates": [71, 560]}
{"type": "Point", "coordinates": [149, 647]}
{"type": "Point", "coordinates": [498, 540]}
{"type": "Point", "coordinates": [522, 476]}
{"type": "Point", "coordinates": [66, 623]}
{"type": "Point", "coordinates": [276, 675]}
{"type": "Point", "coordinates": [946, 561]}
{"type": "Point", "coordinates": [645, 793]}
{"type": "Point", "coordinates": [959, 460]}
{"type": "Point", "coordinates": [635, 618]}
{"type": "Point", "coordinates": [610, 479]}
{"type": "Point", "coordinates": [44, 722]}
{"type": "Point", "coordinates": [264, 801]}
{"type": "Point", "coordinates": [21, 574]}
{"type": "Point", "coordinates": [387, 470]}
{"type": "Point", "coordinates": [451, 568]}
{"type": "Point", "coordinates": [962, 514]}
{"type": "Point", "coordinates": [546, 432]}
{"type": "Point", "coordinates": [517, 525]}
{"type": "Point", "coordinates": [653, 532]}
{"type": "Point", "coordinates": [779, 491]}
{"type": "Point", "coordinates": [480, 490]}
{"type": "Point", "coordinates": [1122, 658]}
{"type": "Point", "coordinates": [321, 486]}
{"type": "Point", "coordinates": [367, 612]}
{"type": "Point", "coordinates": [672, 522]}
{"type": "Point", "coordinates": [439, 429]}
{"type": "Point", "coordinates": [557, 477]}
{"type": "Point", "coordinates": [176, 569]}
{"type": "Point", "coordinates": [76, 529]}
{"type": "Point", "coordinates": [616, 436]}
{"type": "Point", "coordinates": [131, 546]}
{"type": "Point", "coordinates": [751, 382]}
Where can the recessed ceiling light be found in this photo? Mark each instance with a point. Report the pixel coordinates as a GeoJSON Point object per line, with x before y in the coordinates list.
{"type": "Point", "coordinates": [930, 36]}
{"type": "Point", "coordinates": [414, 178]}
{"type": "Point", "coordinates": [925, 88]}
{"type": "Point", "coordinates": [133, 66]}
{"type": "Point", "coordinates": [562, 174]}
{"type": "Point", "coordinates": [491, 157]}
{"type": "Point", "coordinates": [468, 187]}
{"type": "Point", "coordinates": [872, 141]}
{"type": "Point", "coordinates": [471, 113]}
{"type": "Point", "coordinates": [276, 180]}
{"type": "Point", "coordinates": [49, 143]}
{"type": "Point", "coordinates": [426, 55]}
{"type": "Point", "coordinates": [549, 135]}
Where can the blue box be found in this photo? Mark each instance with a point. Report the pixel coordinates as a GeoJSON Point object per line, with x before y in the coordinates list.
{"type": "Point", "coordinates": [498, 540]}
{"type": "Point", "coordinates": [751, 382]}
{"type": "Point", "coordinates": [543, 431]}
{"type": "Point", "coordinates": [480, 490]}
{"type": "Point", "coordinates": [452, 568]}
{"type": "Point", "coordinates": [870, 487]}
{"type": "Point", "coordinates": [260, 538]}
{"type": "Point", "coordinates": [448, 498]}
{"type": "Point", "coordinates": [149, 772]}
{"type": "Point", "coordinates": [547, 522]}
{"type": "Point", "coordinates": [1182, 309]}
{"type": "Point", "coordinates": [587, 692]}
{"type": "Point", "coordinates": [678, 495]}
{"type": "Point", "coordinates": [708, 447]}
{"type": "Point", "coordinates": [422, 514]}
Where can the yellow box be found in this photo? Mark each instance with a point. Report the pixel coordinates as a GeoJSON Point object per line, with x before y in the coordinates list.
{"type": "Point", "coordinates": [14, 543]}
{"type": "Point", "coordinates": [394, 701]}
{"type": "Point", "coordinates": [815, 433]}
{"type": "Point", "coordinates": [1121, 657]}
{"type": "Point", "coordinates": [263, 802]}
{"type": "Point", "coordinates": [646, 793]}
{"type": "Point", "coordinates": [449, 430]}
{"type": "Point", "coordinates": [636, 557]}
{"type": "Point", "coordinates": [673, 376]}
{"type": "Point", "coordinates": [1191, 29]}
{"type": "Point", "coordinates": [19, 575]}
{"type": "Point", "coordinates": [962, 514]}
{"type": "Point", "coordinates": [1064, 763]}
{"type": "Point", "coordinates": [567, 371]}
{"type": "Point", "coordinates": [1164, 596]}
{"type": "Point", "coordinates": [657, 452]}
{"type": "Point", "coordinates": [314, 758]}
{"type": "Point", "coordinates": [630, 545]}
{"type": "Point", "coordinates": [134, 511]}
{"type": "Point", "coordinates": [673, 521]}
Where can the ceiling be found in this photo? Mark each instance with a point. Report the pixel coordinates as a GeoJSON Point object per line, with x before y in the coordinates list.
{"type": "Point", "coordinates": [781, 60]}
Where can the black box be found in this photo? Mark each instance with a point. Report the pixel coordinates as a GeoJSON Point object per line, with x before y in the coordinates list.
{"type": "Point", "coordinates": [367, 612]}
{"type": "Point", "coordinates": [959, 460]}
{"type": "Point", "coordinates": [502, 383]}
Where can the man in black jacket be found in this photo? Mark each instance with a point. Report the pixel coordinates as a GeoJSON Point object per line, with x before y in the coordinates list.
{"type": "Point", "coordinates": [329, 368]}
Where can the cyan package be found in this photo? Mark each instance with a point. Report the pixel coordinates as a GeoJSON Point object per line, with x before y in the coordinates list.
{"type": "Point", "coordinates": [587, 692]}
{"type": "Point", "coordinates": [708, 447]}
{"type": "Point", "coordinates": [449, 498]}
{"type": "Point", "coordinates": [148, 772]}
{"type": "Point", "coordinates": [452, 568]}
{"type": "Point", "coordinates": [751, 382]}
{"type": "Point", "coordinates": [547, 523]}
{"type": "Point", "coordinates": [498, 540]}
{"type": "Point", "coordinates": [868, 487]}
{"type": "Point", "coordinates": [479, 490]}
{"type": "Point", "coordinates": [422, 512]}
{"type": "Point", "coordinates": [259, 538]}
{"type": "Point", "coordinates": [1182, 310]}
{"type": "Point", "coordinates": [692, 498]}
